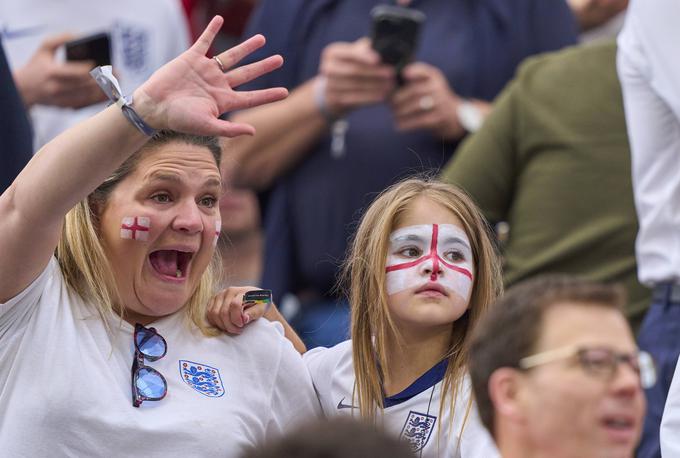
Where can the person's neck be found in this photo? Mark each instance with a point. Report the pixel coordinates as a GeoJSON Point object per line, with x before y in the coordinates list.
{"type": "Point", "coordinates": [242, 258]}
{"type": "Point", "coordinates": [418, 351]}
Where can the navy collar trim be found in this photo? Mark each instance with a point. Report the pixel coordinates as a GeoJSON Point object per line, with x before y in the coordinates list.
{"type": "Point", "coordinates": [424, 382]}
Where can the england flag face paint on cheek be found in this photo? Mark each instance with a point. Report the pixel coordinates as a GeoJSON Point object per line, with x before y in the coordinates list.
{"type": "Point", "coordinates": [135, 228]}
{"type": "Point", "coordinates": [430, 253]}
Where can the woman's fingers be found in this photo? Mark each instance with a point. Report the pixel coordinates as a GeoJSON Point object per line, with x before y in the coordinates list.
{"type": "Point", "coordinates": [231, 56]}
{"type": "Point", "coordinates": [223, 128]}
{"type": "Point", "coordinates": [249, 72]}
{"type": "Point", "coordinates": [249, 99]}
{"type": "Point", "coordinates": [204, 42]}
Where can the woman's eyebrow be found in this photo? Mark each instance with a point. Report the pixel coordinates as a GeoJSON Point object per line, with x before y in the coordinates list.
{"type": "Point", "coordinates": [162, 176]}
{"type": "Point", "coordinates": [174, 178]}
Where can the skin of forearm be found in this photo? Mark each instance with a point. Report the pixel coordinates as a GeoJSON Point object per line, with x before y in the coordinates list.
{"type": "Point", "coordinates": [284, 132]}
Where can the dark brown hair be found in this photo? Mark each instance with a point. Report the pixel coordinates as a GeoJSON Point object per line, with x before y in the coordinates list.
{"type": "Point", "coordinates": [334, 438]}
{"type": "Point", "coordinates": [513, 325]}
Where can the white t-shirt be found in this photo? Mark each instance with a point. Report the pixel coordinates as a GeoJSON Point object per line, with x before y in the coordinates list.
{"type": "Point", "coordinates": [649, 70]}
{"type": "Point", "coordinates": [413, 414]}
{"type": "Point", "coordinates": [144, 35]}
{"type": "Point", "coordinates": [65, 384]}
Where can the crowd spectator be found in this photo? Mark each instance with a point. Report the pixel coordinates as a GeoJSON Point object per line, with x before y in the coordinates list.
{"type": "Point", "coordinates": [144, 36]}
{"type": "Point", "coordinates": [108, 263]}
{"type": "Point", "coordinates": [421, 273]}
{"type": "Point", "coordinates": [556, 372]}
{"type": "Point", "coordinates": [560, 183]}
{"type": "Point", "coordinates": [649, 72]}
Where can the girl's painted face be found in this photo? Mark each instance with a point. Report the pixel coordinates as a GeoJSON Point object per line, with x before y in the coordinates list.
{"type": "Point", "coordinates": [429, 268]}
{"type": "Point", "coordinates": [159, 229]}
{"type": "Point", "coordinates": [443, 248]}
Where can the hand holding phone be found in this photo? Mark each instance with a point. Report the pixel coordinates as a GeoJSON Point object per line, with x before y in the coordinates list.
{"type": "Point", "coordinates": [45, 80]}
{"type": "Point", "coordinates": [395, 34]}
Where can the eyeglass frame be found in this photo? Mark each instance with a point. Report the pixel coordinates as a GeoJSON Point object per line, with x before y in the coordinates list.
{"type": "Point", "coordinates": [644, 360]}
{"type": "Point", "coordinates": [138, 363]}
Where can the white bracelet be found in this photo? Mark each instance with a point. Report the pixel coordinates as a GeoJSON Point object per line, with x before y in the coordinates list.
{"type": "Point", "coordinates": [109, 84]}
{"type": "Point", "coordinates": [320, 98]}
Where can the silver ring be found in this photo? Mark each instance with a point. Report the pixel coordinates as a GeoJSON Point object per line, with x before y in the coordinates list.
{"type": "Point", "coordinates": [426, 103]}
{"type": "Point", "coordinates": [219, 63]}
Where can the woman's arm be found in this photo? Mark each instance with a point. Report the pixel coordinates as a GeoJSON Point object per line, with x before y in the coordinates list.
{"type": "Point", "coordinates": [186, 95]}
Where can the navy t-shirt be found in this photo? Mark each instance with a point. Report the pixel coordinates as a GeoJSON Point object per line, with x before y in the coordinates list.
{"type": "Point", "coordinates": [313, 210]}
{"type": "Point", "coordinates": [15, 130]}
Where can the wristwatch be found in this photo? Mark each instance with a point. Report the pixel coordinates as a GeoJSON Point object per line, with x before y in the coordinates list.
{"type": "Point", "coordinates": [469, 116]}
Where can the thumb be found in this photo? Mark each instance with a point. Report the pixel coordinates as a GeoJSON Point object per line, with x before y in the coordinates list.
{"type": "Point", "coordinates": [52, 43]}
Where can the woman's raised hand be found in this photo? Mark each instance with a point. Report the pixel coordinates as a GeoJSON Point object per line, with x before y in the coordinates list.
{"type": "Point", "coordinates": [191, 91]}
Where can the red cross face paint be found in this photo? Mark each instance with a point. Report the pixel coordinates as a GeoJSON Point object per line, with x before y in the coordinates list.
{"type": "Point", "coordinates": [430, 257]}
{"type": "Point", "coordinates": [135, 228]}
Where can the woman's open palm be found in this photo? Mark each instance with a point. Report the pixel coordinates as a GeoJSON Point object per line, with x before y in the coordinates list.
{"type": "Point", "coordinates": [190, 92]}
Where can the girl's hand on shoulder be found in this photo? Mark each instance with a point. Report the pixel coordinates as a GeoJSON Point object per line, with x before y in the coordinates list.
{"type": "Point", "coordinates": [228, 312]}
{"type": "Point", "coordinates": [191, 91]}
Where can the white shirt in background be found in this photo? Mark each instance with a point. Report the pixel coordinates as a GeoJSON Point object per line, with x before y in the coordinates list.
{"type": "Point", "coordinates": [649, 69]}
{"type": "Point", "coordinates": [145, 34]}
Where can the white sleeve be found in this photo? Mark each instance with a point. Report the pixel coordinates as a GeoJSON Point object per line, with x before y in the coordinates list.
{"type": "Point", "coordinates": [293, 400]}
{"type": "Point", "coordinates": [21, 306]}
{"type": "Point", "coordinates": [654, 133]}
{"type": "Point", "coordinates": [670, 422]}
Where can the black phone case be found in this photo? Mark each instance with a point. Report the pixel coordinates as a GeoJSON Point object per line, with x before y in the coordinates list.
{"type": "Point", "coordinates": [93, 47]}
{"type": "Point", "coordinates": [395, 33]}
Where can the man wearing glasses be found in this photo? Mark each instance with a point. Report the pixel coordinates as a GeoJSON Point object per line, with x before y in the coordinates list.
{"type": "Point", "coordinates": [556, 372]}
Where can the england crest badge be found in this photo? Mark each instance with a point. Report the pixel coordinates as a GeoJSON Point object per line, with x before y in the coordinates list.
{"type": "Point", "coordinates": [417, 429]}
{"type": "Point", "coordinates": [202, 378]}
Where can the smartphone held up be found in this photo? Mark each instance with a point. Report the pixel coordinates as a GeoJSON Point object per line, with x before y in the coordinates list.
{"type": "Point", "coordinates": [96, 48]}
{"type": "Point", "coordinates": [395, 34]}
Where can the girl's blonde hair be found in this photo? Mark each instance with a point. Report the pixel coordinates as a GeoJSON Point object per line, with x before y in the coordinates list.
{"type": "Point", "coordinates": [82, 257]}
{"type": "Point", "coordinates": [364, 277]}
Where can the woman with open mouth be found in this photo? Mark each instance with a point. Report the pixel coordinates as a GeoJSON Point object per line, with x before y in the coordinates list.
{"type": "Point", "coordinates": [107, 262]}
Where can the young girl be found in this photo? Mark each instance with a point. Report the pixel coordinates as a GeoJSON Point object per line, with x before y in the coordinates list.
{"type": "Point", "coordinates": [421, 272]}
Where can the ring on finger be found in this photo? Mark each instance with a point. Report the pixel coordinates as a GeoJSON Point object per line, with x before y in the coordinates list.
{"type": "Point", "coordinates": [426, 103]}
{"type": "Point", "coordinates": [219, 64]}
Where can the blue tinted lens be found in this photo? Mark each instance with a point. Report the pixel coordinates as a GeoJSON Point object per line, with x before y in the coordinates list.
{"type": "Point", "coordinates": [150, 383]}
{"type": "Point", "coordinates": [150, 344]}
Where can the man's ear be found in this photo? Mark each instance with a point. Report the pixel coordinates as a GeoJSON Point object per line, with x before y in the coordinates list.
{"type": "Point", "coordinates": [505, 391]}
